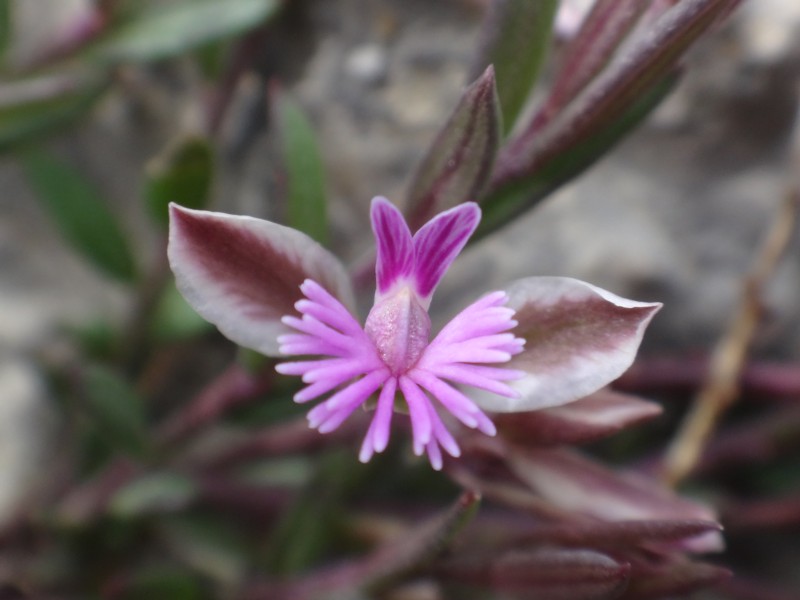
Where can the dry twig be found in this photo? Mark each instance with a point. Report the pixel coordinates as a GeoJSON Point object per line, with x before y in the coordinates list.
{"type": "Point", "coordinates": [728, 358]}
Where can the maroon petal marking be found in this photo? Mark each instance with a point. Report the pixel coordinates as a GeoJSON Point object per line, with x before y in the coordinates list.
{"type": "Point", "coordinates": [578, 338]}
{"type": "Point", "coordinates": [243, 274]}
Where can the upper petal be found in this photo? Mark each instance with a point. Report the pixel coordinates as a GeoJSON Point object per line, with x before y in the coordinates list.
{"type": "Point", "coordinates": [243, 274]}
{"type": "Point", "coordinates": [395, 260]}
{"type": "Point", "coordinates": [437, 244]}
{"type": "Point", "coordinates": [578, 338]}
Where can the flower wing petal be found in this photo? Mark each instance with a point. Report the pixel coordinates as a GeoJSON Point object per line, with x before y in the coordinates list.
{"type": "Point", "coordinates": [438, 243]}
{"type": "Point", "coordinates": [243, 274]}
{"type": "Point", "coordinates": [578, 338]}
{"type": "Point", "coordinates": [395, 260]}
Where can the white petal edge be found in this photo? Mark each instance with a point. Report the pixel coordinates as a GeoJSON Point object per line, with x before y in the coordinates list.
{"type": "Point", "coordinates": [231, 301]}
{"type": "Point", "coordinates": [573, 372]}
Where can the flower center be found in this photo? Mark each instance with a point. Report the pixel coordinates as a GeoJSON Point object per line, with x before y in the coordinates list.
{"type": "Point", "coordinates": [399, 327]}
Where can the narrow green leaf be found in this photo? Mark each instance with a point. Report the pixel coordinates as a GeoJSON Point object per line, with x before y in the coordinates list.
{"type": "Point", "coordinates": [305, 177]}
{"type": "Point", "coordinates": [515, 39]}
{"type": "Point", "coordinates": [81, 214]}
{"type": "Point", "coordinates": [36, 107]}
{"type": "Point", "coordinates": [309, 527]}
{"type": "Point", "coordinates": [155, 493]}
{"type": "Point", "coordinates": [214, 547]}
{"type": "Point", "coordinates": [458, 165]}
{"type": "Point", "coordinates": [5, 27]}
{"type": "Point", "coordinates": [160, 32]}
{"type": "Point", "coordinates": [163, 583]}
{"type": "Point", "coordinates": [514, 198]}
{"type": "Point", "coordinates": [115, 410]}
{"type": "Point", "coordinates": [182, 174]}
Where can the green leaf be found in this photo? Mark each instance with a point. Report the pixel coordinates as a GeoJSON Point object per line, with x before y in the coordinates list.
{"type": "Point", "coordinates": [310, 526]}
{"type": "Point", "coordinates": [458, 165]}
{"type": "Point", "coordinates": [515, 39]}
{"type": "Point", "coordinates": [213, 547]}
{"type": "Point", "coordinates": [81, 214]}
{"type": "Point", "coordinates": [160, 32]}
{"type": "Point", "coordinates": [155, 493]}
{"type": "Point", "coordinates": [174, 319]}
{"type": "Point", "coordinates": [5, 27]}
{"type": "Point", "coordinates": [163, 583]}
{"type": "Point", "coordinates": [36, 107]}
{"type": "Point", "coordinates": [182, 174]}
{"type": "Point", "coordinates": [511, 200]}
{"type": "Point", "coordinates": [305, 177]}
{"type": "Point", "coordinates": [115, 410]}
{"type": "Point", "coordinates": [605, 28]}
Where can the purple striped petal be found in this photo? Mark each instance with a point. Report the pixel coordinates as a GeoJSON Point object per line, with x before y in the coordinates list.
{"type": "Point", "coordinates": [578, 338]}
{"type": "Point", "coordinates": [437, 244]}
{"type": "Point", "coordinates": [243, 274]}
{"type": "Point", "coordinates": [395, 260]}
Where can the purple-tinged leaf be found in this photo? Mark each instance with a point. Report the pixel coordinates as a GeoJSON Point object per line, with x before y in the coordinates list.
{"type": "Point", "coordinates": [577, 484]}
{"type": "Point", "coordinates": [756, 441]}
{"type": "Point", "coordinates": [599, 415]}
{"type": "Point", "coordinates": [423, 544]}
{"type": "Point", "coordinates": [614, 535]}
{"type": "Point", "coordinates": [395, 248]}
{"type": "Point", "coordinates": [672, 580]}
{"type": "Point", "coordinates": [760, 515]}
{"type": "Point", "coordinates": [515, 39]}
{"type": "Point", "coordinates": [243, 274]}
{"type": "Point", "coordinates": [414, 550]}
{"type": "Point", "coordinates": [458, 165]}
{"type": "Point", "coordinates": [578, 338]}
{"type": "Point", "coordinates": [605, 27]}
{"type": "Point", "coordinates": [750, 588]}
{"type": "Point", "coordinates": [550, 573]}
{"type": "Point", "coordinates": [509, 197]}
{"type": "Point", "coordinates": [646, 62]}
{"type": "Point", "coordinates": [497, 484]}
{"type": "Point", "coordinates": [438, 244]}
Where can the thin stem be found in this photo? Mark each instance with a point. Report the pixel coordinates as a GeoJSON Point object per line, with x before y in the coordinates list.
{"type": "Point", "coordinates": [233, 387]}
{"type": "Point", "coordinates": [766, 381]}
{"type": "Point", "coordinates": [728, 359]}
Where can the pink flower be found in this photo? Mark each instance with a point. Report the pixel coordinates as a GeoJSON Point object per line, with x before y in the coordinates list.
{"type": "Point", "coordinates": [392, 353]}
{"type": "Point", "coordinates": [273, 289]}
